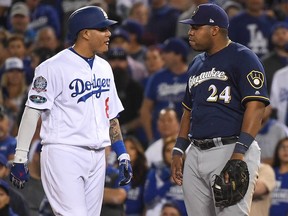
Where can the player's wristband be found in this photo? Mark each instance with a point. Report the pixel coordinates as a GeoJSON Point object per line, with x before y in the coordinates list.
{"type": "Point", "coordinates": [243, 143]}
{"type": "Point", "coordinates": [180, 146]}
{"type": "Point", "coordinates": [119, 148]}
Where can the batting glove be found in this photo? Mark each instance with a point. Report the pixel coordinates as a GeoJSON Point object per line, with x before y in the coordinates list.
{"type": "Point", "coordinates": [19, 174]}
{"type": "Point", "coordinates": [125, 172]}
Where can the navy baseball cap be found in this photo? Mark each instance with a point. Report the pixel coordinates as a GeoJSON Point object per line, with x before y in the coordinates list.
{"type": "Point", "coordinates": [176, 45]}
{"type": "Point", "coordinates": [278, 25]}
{"type": "Point", "coordinates": [120, 32]}
{"type": "Point", "coordinates": [133, 27]}
{"type": "Point", "coordinates": [208, 14]}
{"type": "Point", "coordinates": [116, 53]}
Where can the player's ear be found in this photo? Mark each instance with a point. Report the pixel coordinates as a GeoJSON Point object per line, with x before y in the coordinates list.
{"type": "Point", "coordinates": [214, 30]}
{"type": "Point", "coordinates": [84, 33]}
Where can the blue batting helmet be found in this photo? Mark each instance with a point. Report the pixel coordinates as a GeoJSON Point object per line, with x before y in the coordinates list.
{"type": "Point", "coordinates": [89, 17]}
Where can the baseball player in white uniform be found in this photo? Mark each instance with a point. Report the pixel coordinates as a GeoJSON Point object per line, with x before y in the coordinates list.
{"type": "Point", "coordinates": [75, 95]}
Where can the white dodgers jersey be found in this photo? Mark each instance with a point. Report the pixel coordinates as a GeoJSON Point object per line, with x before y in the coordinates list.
{"type": "Point", "coordinates": [78, 101]}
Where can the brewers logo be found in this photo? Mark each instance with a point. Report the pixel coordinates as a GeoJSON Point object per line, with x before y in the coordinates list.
{"type": "Point", "coordinates": [256, 79]}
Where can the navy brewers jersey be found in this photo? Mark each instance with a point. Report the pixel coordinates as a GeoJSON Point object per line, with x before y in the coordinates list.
{"type": "Point", "coordinates": [218, 88]}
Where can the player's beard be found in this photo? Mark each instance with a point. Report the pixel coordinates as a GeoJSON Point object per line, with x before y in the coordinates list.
{"type": "Point", "coordinates": [121, 77]}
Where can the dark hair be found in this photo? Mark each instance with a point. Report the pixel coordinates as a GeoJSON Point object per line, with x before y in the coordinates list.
{"type": "Point", "coordinates": [43, 53]}
{"type": "Point", "coordinates": [276, 159]}
{"type": "Point", "coordinates": [140, 168]}
{"type": "Point", "coordinates": [16, 38]}
{"type": "Point", "coordinates": [171, 205]}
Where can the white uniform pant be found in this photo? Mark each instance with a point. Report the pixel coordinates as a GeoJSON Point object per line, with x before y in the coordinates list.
{"type": "Point", "coordinates": [198, 177]}
{"type": "Point", "coordinates": [73, 179]}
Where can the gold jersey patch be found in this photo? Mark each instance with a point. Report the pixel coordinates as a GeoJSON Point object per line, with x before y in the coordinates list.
{"type": "Point", "coordinates": [256, 79]}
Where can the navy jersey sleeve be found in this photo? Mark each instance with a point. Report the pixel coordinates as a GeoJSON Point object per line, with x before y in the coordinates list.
{"type": "Point", "coordinates": [251, 78]}
{"type": "Point", "coordinates": [187, 102]}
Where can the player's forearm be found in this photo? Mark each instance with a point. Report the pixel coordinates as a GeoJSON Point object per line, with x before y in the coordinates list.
{"type": "Point", "coordinates": [115, 131]}
{"type": "Point", "coordinates": [185, 124]}
{"type": "Point", "coordinates": [26, 131]}
{"type": "Point", "coordinates": [116, 138]}
{"type": "Point", "coordinates": [251, 125]}
{"type": "Point", "coordinates": [253, 116]}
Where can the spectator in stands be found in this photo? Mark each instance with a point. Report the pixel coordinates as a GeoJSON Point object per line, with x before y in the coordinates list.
{"type": "Point", "coordinates": [33, 191]}
{"type": "Point", "coordinates": [271, 132]}
{"type": "Point", "coordinates": [120, 39]}
{"type": "Point", "coordinates": [232, 8]}
{"type": "Point", "coordinates": [46, 38]}
{"type": "Point", "coordinates": [17, 202]}
{"type": "Point", "coordinates": [252, 27]}
{"type": "Point", "coordinates": [170, 209]}
{"type": "Point", "coordinates": [3, 55]}
{"type": "Point", "coordinates": [278, 58]}
{"type": "Point", "coordinates": [265, 184]}
{"type": "Point", "coordinates": [153, 61]}
{"type": "Point", "coordinates": [139, 12]}
{"type": "Point", "coordinates": [129, 91]}
{"type": "Point", "coordinates": [135, 47]}
{"type": "Point", "coordinates": [16, 48]}
{"type": "Point", "coordinates": [7, 142]}
{"type": "Point", "coordinates": [279, 94]}
{"type": "Point", "coordinates": [14, 87]}
{"type": "Point", "coordinates": [123, 7]}
{"type": "Point", "coordinates": [43, 15]}
{"type": "Point", "coordinates": [160, 187]}
{"type": "Point", "coordinates": [114, 195]}
{"type": "Point", "coordinates": [279, 206]}
{"type": "Point", "coordinates": [162, 21]}
{"type": "Point", "coordinates": [5, 208]}
{"type": "Point", "coordinates": [168, 125]}
{"type": "Point", "coordinates": [4, 7]}
{"type": "Point", "coordinates": [134, 201]}
{"type": "Point", "coordinates": [182, 30]}
{"type": "Point", "coordinates": [165, 88]}
{"type": "Point", "coordinates": [19, 20]}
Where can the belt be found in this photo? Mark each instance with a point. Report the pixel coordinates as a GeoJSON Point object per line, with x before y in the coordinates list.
{"type": "Point", "coordinates": [205, 144]}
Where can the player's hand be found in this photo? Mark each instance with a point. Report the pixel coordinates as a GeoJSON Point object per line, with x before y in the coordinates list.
{"type": "Point", "coordinates": [125, 172]}
{"type": "Point", "coordinates": [19, 174]}
{"type": "Point", "coordinates": [177, 169]}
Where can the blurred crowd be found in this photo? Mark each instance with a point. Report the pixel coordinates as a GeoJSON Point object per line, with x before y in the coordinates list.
{"type": "Point", "coordinates": [149, 53]}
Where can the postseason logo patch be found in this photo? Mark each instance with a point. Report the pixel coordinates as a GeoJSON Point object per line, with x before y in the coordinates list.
{"type": "Point", "coordinates": [37, 99]}
{"type": "Point", "coordinates": [256, 79]}
{"type": "Point", "coordinates": [40, 84]}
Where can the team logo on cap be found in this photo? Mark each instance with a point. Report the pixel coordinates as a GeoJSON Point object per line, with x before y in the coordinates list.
{"type": "Point", "coordinates": [195, 11]}
{"type": "Point", "coordinates": [40, 84]}
{"type": "Point", "coordinates": [256, 79]}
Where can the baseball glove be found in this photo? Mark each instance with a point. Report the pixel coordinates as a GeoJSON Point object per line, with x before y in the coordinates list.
{"type": "Point", "coordinates": [230, 193]}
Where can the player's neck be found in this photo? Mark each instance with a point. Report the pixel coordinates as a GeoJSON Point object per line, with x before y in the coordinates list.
{"type": "Point", "coordinates": [219, 46]}
{"type": "Point", "coordinates": [83, 52]}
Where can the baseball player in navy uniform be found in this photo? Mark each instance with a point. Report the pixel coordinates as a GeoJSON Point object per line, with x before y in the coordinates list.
{"type": "Point", "coordinates": [75, 95]}
{"type": "Point", "coordinates": [223, 108]}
